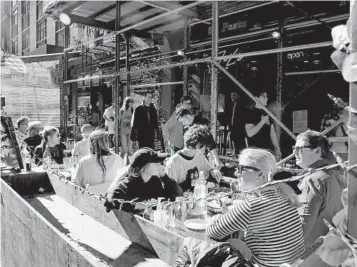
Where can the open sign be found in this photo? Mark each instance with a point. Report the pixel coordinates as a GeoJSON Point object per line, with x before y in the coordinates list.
{"type": "Point", "coordinates": [295, 55]}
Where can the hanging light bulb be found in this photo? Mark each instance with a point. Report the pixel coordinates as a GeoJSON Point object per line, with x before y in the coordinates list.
{"type": "Point", "coordinates": [65, 19]}
{"type": "Point", "coordinates": [276, 35]}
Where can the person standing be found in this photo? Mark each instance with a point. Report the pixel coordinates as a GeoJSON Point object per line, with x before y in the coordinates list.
{"type": "Point", "coordinates": [34, 139]}
{"type": "Point", "coordinates": [144, 123]}
{"type": "Point", "coordinates": [173, 129]}
{"type": "Point", "coordinates": [260, 131]}
{"type": "Point", "coordinates": [22, 131]}
{"type": "Point", "coordinates": [321, 190]}
{"type": "Point", "coordinates": [109, 116]}
{"type": "Point", "coordinates": [125, 116]}
{"type": "Point", "coordinates": [237, 123]}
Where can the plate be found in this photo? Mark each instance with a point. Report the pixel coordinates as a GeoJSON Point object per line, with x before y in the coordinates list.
{"type": "Point", "coordinates": [196, 224]}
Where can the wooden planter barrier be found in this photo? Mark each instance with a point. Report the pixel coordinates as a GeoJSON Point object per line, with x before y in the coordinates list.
{"type": "Point", "coordinates": [157, 241]}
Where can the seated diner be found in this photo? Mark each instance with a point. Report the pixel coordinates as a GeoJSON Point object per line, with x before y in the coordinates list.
{"type": "Point", "coordinates": [143, 179]}
{"type": "Point", "coordinates": [81, 148]}
{"type": "Point", "coordinates": [184, 166]}
{"type": "Point", "coordinates": [99, 167]}
{"type": "Point", "coordinates": [50, 147]}
{"type": "Point", "coordinates": [267, 216]}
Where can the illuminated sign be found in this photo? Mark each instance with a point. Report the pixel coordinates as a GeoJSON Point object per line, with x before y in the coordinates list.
{"type": "Point", "coordinates": [230, 61]}
{"type": "Point", "coordinates": [295, 55]}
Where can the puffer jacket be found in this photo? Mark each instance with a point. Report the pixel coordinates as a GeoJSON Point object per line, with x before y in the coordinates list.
{"type": "Point", "coordinates": [197, 253]}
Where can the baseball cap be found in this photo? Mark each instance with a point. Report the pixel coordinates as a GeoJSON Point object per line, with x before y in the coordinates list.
{"type": "Point", "coordinates": [142, 157]}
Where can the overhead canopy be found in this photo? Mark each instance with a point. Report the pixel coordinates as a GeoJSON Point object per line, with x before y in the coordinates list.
{"type": "Point", "coordinates": [101, 14]}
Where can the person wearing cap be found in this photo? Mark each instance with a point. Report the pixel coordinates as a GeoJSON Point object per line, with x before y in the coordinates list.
{"type": "Point", "coordinates": [34, 139]}
{"type": "Point", "coordinates": [143, 179]}
{"type": "Point", "coordinates": [81, 148]}
{"type": "Point", "coordinates": [185, 165]}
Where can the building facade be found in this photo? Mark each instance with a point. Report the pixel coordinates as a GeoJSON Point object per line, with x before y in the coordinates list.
{"type": "Point", "coordinates": [25, 30]}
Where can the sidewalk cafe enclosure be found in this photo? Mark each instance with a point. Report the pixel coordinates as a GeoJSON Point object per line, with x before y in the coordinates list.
{"type": "Point", "coordinates": [281, 47]}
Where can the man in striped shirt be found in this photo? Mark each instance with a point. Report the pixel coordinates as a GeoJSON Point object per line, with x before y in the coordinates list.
{"type": "Point", "coordinates": [272, 225]}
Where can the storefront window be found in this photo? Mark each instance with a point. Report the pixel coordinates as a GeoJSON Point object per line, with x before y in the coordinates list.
{"type": "Point", "coordinates": [14, 21]}
{"type": "Point", "coordinates": [15, 46]}
{"type": "Point", "coordinates": [41, 32]}
{"type": "Point", "coordinates": [39, 9]}
{"type": "Point", "coordinates": [25, 8]}
{"type": "Point", "coordinates": [60, 34]}
{"type": "Point", "coordinates": [26, 40]}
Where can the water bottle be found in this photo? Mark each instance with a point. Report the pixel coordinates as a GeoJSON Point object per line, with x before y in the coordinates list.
{"type": "Point", "coordinates": [200, 190]}
{"type": "Point", "coordinates": [200, 194]}
{"type": "Point", "coordinates": [27, 157]}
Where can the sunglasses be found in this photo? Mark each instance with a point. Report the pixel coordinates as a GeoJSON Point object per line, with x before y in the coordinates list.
{"type": "Point", "coordinates": [242, 168]}
{"type": "Point", "coordinates": [300, 148]}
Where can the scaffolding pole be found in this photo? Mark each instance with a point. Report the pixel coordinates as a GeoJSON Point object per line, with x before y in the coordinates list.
{"type": "Point", "coordinates": [257, 102]}
{"type": "Point", "coordinates": [279, 80]}
{"type": "Point", "coordinates": [185, 46]}
{"type": "Point", "coordinates": [117, 32]}
{"type": "Point", "coordinates": [117, 79]}
{"type": "Point", "coordinates": [127, 63]}
{"type": "Point", "coordinates": [352, 151]}
{"type": "Point", "coordinates": [65, 86]}
{"type": "Point", "coordinates": [208, 59]}
{"type": "Point", "coordinates": [214, 71]}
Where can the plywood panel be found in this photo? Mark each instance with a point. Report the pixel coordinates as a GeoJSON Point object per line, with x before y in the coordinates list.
{"type": "Point", "coordinates": [161, 242]}
{"type": "Point", "coordinates": [27, 239]}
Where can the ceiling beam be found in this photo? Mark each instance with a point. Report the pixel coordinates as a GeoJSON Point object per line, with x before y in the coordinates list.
{"type": "Point", "coordinates": [91, 22]}
{"type": "Point", "coordinates": [161, 24]}
{"type": "Point", "coordinates": [169, 6]}
{"type": "Point", "coordinates": [74, 6]}
{"type": "Point", "coordinates": [104, 10]}
{"type": "Point", "coordinates": [135, 12]}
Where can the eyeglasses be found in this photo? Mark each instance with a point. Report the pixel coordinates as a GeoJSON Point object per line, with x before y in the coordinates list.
{"type": "Point", "coordinates": [242, 168]}
{"type": "Point", "coordinates": [299, 149]}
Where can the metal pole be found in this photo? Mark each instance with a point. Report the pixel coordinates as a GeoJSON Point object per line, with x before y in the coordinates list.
{"type": "Point", "coordinates": [139, 24]}
{"type": "Point", "coordinates": [257, 102]}
{"type": "Point", "coordinates": [214, 71]}
{"type": "Point", "coordinates": [276, 50]}
{"type": "Point", "coordinates": [197, 61]}
{"type": "Point", "coordinates": [279, 81]}
{"type": "Point", "coordinates": [154, 84]}
{"type": "Point", "coordinates": [352, 151]}
{"type": "Point", "coordinates": [117, 80]}
{"type": "Point", "coordinates": [127, 62]}
{"type": "Point", "coordinates": [185, 44]}
{"type": "Point", "coordinates": [65, 86]}
{"type": "Point", "coordinates": [235, 12]}
{"type": "Point", "coordinates": [311, 72]}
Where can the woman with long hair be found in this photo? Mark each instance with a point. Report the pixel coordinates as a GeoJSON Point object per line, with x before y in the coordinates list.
{"type": "Point", "coordinates": [50, 147]}
{"type": "Point", "coordinates": [100, 166]}
{"type": "Point", "coordinates": [125, 115]}
{"type": "Point", "coordinates": [267, 215]}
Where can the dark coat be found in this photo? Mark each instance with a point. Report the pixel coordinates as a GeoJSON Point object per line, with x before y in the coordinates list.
{"type": "Point", "coordinates": [129, 187]}
{"type": "Point", "coordinates": [142, 130]}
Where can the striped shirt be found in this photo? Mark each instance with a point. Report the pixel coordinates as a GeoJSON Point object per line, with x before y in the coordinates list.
{"type": "Point", "coordinates": [273, 229]}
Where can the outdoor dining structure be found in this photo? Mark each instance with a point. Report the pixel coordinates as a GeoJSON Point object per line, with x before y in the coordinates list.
{"type": "Point", "coordinates": [49, 221]}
